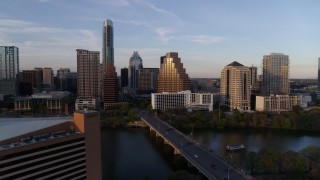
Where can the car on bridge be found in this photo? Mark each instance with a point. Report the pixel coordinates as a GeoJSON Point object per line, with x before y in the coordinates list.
{"type": "Point", "coordinates": [196, 156]}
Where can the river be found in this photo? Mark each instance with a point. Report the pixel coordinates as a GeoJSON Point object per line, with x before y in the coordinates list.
{"type": "Point", "coordinates": [135, 154]}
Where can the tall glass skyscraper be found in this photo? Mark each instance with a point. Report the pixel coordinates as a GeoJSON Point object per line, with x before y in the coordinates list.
{"type": "Point", "coordinates": [275, 74]}
{"type": "Point", "coordinates": [9, 62]}
{"type": "Point", "coordinates": [107, 50]}
{"type": "Point", "coordinates": [135, 63]}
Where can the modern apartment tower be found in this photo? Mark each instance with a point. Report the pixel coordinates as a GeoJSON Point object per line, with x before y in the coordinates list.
{"type": "Point", "coordinates": [9, 62]}
{"type": "Point", "coordinates": [172, 76]}
{"type": "Point", "coordinates": [275, 73]}
{"type": "Point", "coordinates": [107, 42]}
{"type": "Point", "coordinates": [235, 88]}
{"type": "Point", "coordinates": [87, 72]}
{"type": "Point", "coordinates": [135, 63]}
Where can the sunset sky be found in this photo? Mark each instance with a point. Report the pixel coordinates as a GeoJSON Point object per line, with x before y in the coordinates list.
{"type": "Point", "coordinates": [207, 34]}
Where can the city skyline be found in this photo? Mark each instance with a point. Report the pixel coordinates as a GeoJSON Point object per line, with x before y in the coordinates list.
{"type": "Point", "coordinates": [48, 32]}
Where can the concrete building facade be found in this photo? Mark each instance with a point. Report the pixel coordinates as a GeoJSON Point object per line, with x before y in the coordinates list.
{"type": "Point", "coordinates": [277, 104]}
{"type": "Point", "coordinates": [87, 74]}
{"type": "Point", "coordinates": [235, 90]}
{"type": "Point", "coordinates": [183, 99]}
{"type": "Point", "coordinates": [51, 148]}
{"type": "Point", "coordinates": [148, 79]}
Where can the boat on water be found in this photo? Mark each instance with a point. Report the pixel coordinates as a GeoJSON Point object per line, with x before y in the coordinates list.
{"type": "Point", "coordinates": [234, 147]}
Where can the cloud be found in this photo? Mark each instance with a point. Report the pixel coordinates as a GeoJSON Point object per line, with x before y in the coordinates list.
{"type": "Point", "coordinates": [164, 34]}
{"type": "Point", "coordinates": [111, 2]}
{"type": "Point", "coordinates": [160, 10]}
{"type": "Point", "coordinates": [134, 22]}
{"type": "Point", "coordinates": [31, 34]}
{"type": "Point", "coordinates": [46, 46]}
{"type": "Point", "coordinates": [204, 39]}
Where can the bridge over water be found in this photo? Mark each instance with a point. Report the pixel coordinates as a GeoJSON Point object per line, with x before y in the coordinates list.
{"type": "Point", "coordinates": [208, 163]}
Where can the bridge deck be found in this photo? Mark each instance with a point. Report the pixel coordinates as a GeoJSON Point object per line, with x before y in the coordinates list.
{"type": "Point", "coordinates": [208, 163]}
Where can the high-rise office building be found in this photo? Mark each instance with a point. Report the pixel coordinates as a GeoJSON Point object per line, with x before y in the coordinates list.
{"type": "Point", "coordinates": [253, 74]}
{"type": "Point", "coordinates": [235, 90]}
{"type": "Point", "coordinates": [47, 77]}
{"type": "Point", "coordinates": [9, 70]}
{"type": "Point", "coordinates": [51, 148]}
{"type": "Point", "coordinates": [148, 79]}
{"type": "Point", "coordinates": [124, 77]}
{"type": "Point", "coordinates": [107, 42]}
{"type": "Point", "coordinates": [62, 71]}
{"type": "Point", "coordinates": [9, 62]}
{"type": "Point", "coordinates": [275, 73]}
{"type": "Point", "coordinates": [110, 86]}
{"type": "Point", "coordinates": [87, 72]}
{"type": "Point", "coordinates": [135, 63]}
{"type": "Point", "coordinates": [172, 76]}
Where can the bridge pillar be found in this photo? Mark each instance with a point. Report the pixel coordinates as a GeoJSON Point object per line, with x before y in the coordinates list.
{"type": "Point", "coordinates": [165, 141]}
{"type": "Point", "coordinates": [176, 151]}
{"type": "Point", "coordinates": [190, 165]}
{"type": "Point", "coordinates": [157, 134]}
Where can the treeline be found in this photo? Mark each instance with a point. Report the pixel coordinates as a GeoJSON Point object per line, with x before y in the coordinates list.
{"type": "Point", "coordinates": [271, 164]}
{"type": "Point", "coordinates": [296, 120]}
{"type": "Point", "coordinates": [118, 117]}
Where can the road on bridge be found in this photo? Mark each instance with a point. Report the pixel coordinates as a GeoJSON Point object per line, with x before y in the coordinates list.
{"type": "Point", "coordinates": [210, 164]}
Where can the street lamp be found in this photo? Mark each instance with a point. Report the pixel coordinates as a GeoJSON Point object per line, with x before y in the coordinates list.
{"type": "Point", "coordinates": [180, 141]}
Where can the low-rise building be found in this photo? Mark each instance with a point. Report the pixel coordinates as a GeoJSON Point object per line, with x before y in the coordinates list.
{"type": "Point", "coordinates": [86, 103]}
{"type": "Point", "coordinates": [183, 99]}
{"type": "Point", "coordinates": [277, 103]}
{"type": "Point", "coordinates": [53, 101]}
{"type": "Point", "coordinates": [51, 148]}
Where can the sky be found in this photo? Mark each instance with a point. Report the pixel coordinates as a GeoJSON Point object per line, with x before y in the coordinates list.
{"type": "Point", "coordinates": [207, 34]}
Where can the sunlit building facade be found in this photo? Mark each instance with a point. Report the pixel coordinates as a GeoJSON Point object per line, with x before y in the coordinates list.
{"type": "Point", "coordinates": [172, 76]}
{"type": "Point", "coordinates": [235, 90]}
{"type": "Point", "coordinates": [277, 104]}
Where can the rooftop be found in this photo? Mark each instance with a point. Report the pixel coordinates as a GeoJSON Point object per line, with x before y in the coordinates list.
{"type": "Point", "coordinates": [235, 63]}
{"type": "Point", "coordinates": [13, 127]}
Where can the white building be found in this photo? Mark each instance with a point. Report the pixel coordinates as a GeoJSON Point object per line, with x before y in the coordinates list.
{"type": "Point", "coordinates": [183, 99]}
{"type": "Point", "coordinates": [86, 103]}
{"type": "Point", "coordinates": [305, 100]}
{"type": "Point", "coordinates": [277, 103]}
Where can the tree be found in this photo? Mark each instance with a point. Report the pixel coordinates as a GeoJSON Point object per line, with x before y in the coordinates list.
{"type": "Point", "coordinates": [251, 161]}
{"type": "Point", "coordinates": [297, 109]}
